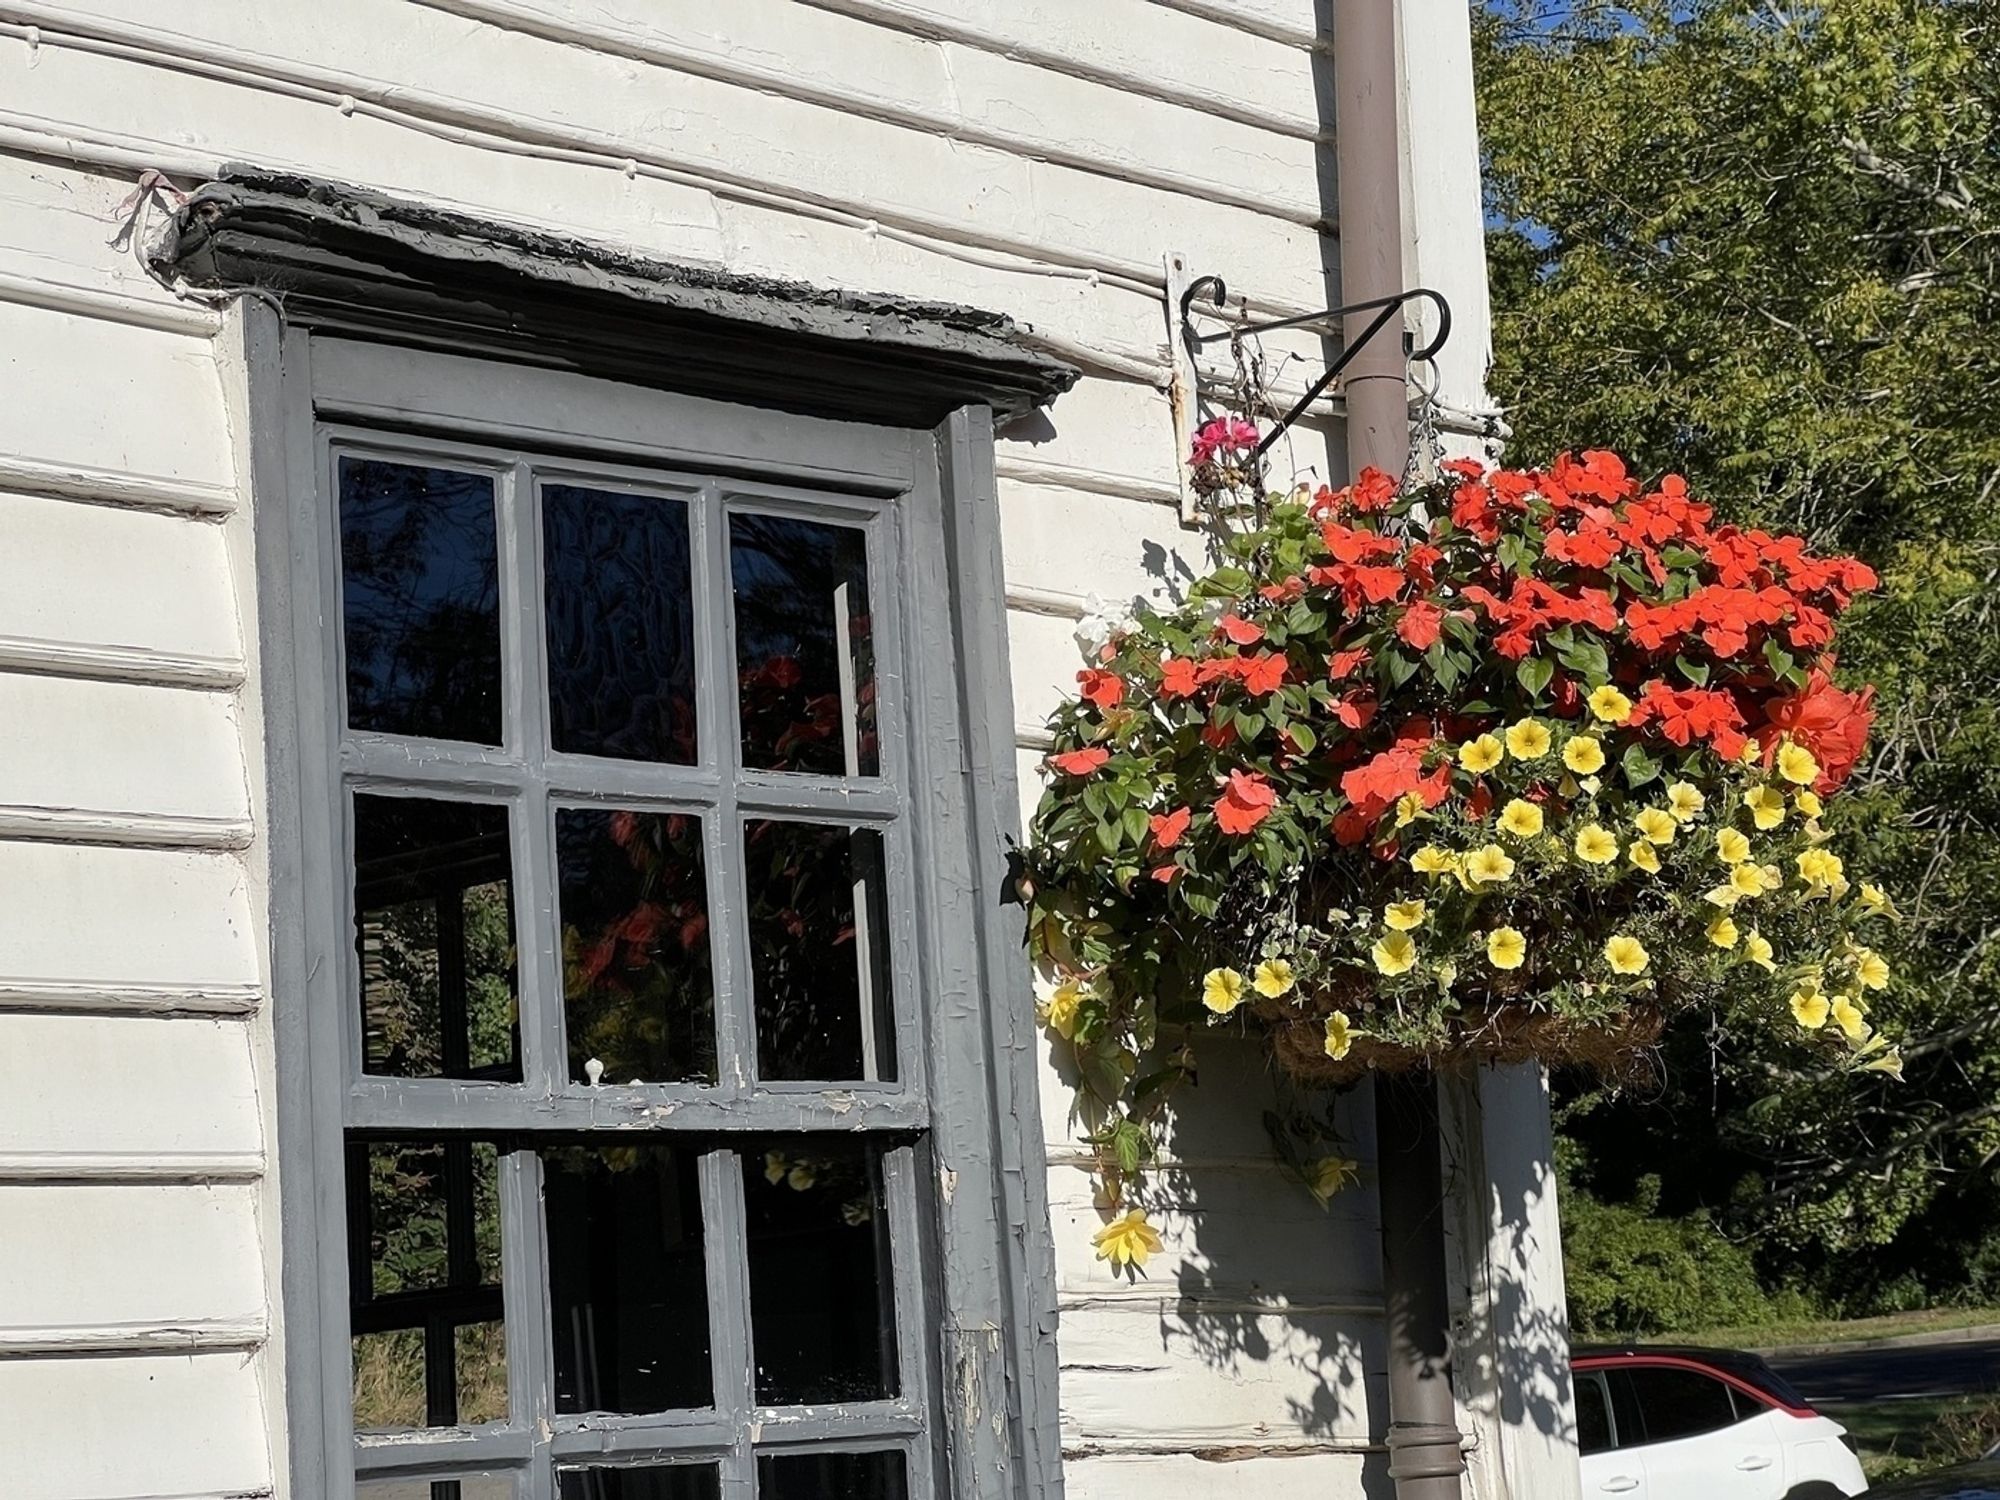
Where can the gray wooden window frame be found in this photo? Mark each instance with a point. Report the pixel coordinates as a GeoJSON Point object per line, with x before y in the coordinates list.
{"type": "Point", "coordinates": [973, 1267]}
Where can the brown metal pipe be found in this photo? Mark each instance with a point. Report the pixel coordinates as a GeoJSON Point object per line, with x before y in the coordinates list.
{"type": "Point", "coordinates": [1425, 1457]}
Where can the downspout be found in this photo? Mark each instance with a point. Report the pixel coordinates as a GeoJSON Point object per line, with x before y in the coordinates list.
{"type": "Point", "coordinates": [1425, 1458]}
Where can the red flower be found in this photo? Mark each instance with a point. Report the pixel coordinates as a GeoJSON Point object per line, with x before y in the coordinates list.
{"type": "Point", "coordinates": [1829, 722]}
{"type": "Point", "coordinates": [1420, 624]}
{"type": "Point", "coordinates": [1244, 803]}
{"type": "Point", "coordinates": [1350, 546]}
{"type": "Point", "coordinates": [1373, 490]}
{"type": "Point", "coordinates": [1165, 874]}
{"type": "Point", "coordinates": [1168, 827]}
{"type": "Point", "coordinates": [1592, 545]}
{"type": "Point", "coordinates": [1081, 762]}
{"type": "Point", "coordinates": [1105, 689]}
{"type": "Point", "coordinates": [1472, 507]}
{"type": "Point", "coordinates": [1218, 736]}
{"type": "Point", "coordinates": [1177, 677]}
{"type": "Point", "coordinates": [1356, 708]}
{"type": "Point", "coordinates": [1283, 593]}
{"type": "Point", "coordinates": [1344, 662]}
{"type": "Point", "coordinates": [1262, 674]}
{"type": "Point", "coordinates": [1239, 630]}
{"type": "Point", "coordinates": [1223, 435]}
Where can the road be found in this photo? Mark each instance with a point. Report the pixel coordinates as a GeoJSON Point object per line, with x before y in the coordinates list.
{"type": "Point", "coordinates": [1864, 1374]}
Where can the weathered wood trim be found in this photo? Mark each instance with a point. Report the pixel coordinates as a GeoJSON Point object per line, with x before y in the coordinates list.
{"type": "Point", "coordinates": [125, 830]}
{"type": "Point", "coordinates": [1022, 468]}
{"type": "Point", "coordinates": [119, 487]}
{"type": "Point", "coordinates": [1051, 602]}
{"type": "Point", "coordinates": [93, 1168]}
{"type": "Point", "coordinates": [187, 1336]}
{"type": "Point", "coordinates": [348, 260]}
{"type": "Point", "coordinates": [139, 665]}
{"type": "Point", "coordinates": [124, 997]}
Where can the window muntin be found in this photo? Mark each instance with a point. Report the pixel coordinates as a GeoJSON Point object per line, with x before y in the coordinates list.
{"type": "Point", "coordinates": [638, 1002]}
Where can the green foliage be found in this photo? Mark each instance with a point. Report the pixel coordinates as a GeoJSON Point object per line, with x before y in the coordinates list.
{"type": "Point", "coordinates": [1756, 243]}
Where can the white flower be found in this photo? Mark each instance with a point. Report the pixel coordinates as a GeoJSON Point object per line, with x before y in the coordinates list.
{"type": "Point", "coordinates": [1100, 623]}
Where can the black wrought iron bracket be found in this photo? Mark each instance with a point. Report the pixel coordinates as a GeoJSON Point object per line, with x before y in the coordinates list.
{"type": "Point", "coordinates": [1218, 294]}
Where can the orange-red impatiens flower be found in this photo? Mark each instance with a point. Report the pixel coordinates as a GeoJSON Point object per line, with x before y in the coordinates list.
{"type": "Point", "coordinates": [1177, 677]}
{"type": "Point", "coordinates": [1081, 762]}
{"type": "Point", "coordinates": [1420, 624]}
{"type": "Point", "coordinates": [1344, 662]}
{"type": "Point", "coordinates": [1832, 724]}
{"type": "Point", "coordinates": [1245, 802]}
{"type": "Point", "coordinates": [1105, 689]}
{"type": "Point", "coordinates": [1168, 827]}
{"type": "Point", "coordinates": [1262, 674]}
{"type": "Point", "coordinates": [1240, 630]}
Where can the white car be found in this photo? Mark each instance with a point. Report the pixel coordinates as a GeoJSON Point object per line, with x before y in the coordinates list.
{"type": "Point", "coordinates": [1703, 1424]}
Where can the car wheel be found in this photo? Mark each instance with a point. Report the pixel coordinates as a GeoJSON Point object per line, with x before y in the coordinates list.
{"type": "Point", "coordinates": [1819, 1489]}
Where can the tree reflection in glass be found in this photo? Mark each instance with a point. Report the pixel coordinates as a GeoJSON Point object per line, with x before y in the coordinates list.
{"type": "Point", "coordinates": [638, 993]}
{"type": "Point", "coordinates": [805, 651]}
{"type": "Point", "coordinates": [420, 597]}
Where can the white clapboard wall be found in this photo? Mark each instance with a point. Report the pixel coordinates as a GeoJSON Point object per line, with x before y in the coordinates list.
{"type": "Point", "coordinates": [1034, 157]}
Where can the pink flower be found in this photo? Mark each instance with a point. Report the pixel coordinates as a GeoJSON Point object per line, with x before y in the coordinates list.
{"type": "Point", "coordinates": [1223, 435]}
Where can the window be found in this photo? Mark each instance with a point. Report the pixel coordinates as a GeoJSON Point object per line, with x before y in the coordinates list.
{"type": "Point", "coordinates": [630, 1086]}
{"type": "Point", "coordinates": [1679, 1403]}
{"type": "Point", "coordinates": [1593, 1414]}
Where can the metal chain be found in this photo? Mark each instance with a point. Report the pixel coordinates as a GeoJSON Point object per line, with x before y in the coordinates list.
{"type": "Point", "coordinates": [1426, 441]}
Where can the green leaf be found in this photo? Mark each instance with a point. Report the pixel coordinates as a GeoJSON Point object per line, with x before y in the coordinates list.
{"type": "Point", "coordinates": [1136, 824]}
{"type": "Point", "coordinates": [1534, 674]}
{"type": "Point", "coordinates": [1249, 724]}
{"type": "Point", "coordinates": [1128, 1144]}
{"type": "Point", "coordinates": [1695, 672]}
{"type": "Point", "coordinates": [1586, 658]}
{"type": "Point", "coordinates": [1109, 837]}
{"type": "Point", "coordinates": [1639, 767]}
{"type": "Point", "coordinates": [1302, 736]}
{"type": "Point", "coordinates": [1777, 658]}
{"type": "Point", "coordinates": [1399, 667]}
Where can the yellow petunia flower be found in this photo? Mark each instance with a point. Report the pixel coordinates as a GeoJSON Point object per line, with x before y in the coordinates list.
{"type": "Point", "coordinates": [1488, 865]}
{"type": "Point", "coordinates": [1766, 804]}
{"type": "Point", "coordinates": [1808, 803]}
{"type": "Point", "coordinates": [1408, 807]}
{"type": "Point", "coordinates": [1819, 867]}
{"type": "Point", "coordinates": [1609, 705]}
{"type": "Point", "coordinates": [1059, 1004]}
{"type": "Point", "coordinates": [1395, 953]}
{"type": "Point", "coordinates": [1522, 819]}
{"type": "Point", "coordinates": [1274, 977]}
{"type": "Point", "coordinates": [1330, 1174]}
{"type": "Point", "coordinates": [1732, 846]}
{"type": "Point", "coordinates": [1796, 764]}
{"type": "Point", "coordinates": [1584, 754]}
{"type": "Point", "coordinates": [1685, 801]}
{"type": "Point", "coordinates": [1848, 1017]}
{"type": "Point", "coordinates": [1809, 1007]}
{"type": "Point", "coordinates": [1757, 948]}
{"type": "Point", "coordinates": [1745, 880]}
{"type": "Point", "coordinates": [1645, 856]}
{"type": "Point", "coordinates": [1771, 878]}
{"type": "Point", "coordinates": [1871, 969]}
{"type": "Point", "coordinates": [1724, 896]}
{"type": "Point", "coordinates": [1595, 844]}
{"type": "Point", "coordinates": [1657, 824]}
{"type": "Point", "coordinates": [1222, 990]}
{"type": "Point", "coordinates": [1506, 948]}
{"type": "Point", "coordinates": [1528, 740]}
{"type": "Point", "coordinates": [1626, 955]}
{"type": "Point", "coordinates": [1127, 1240]}
{"type": "Point", "coordinates": [1876, 900]}
{"type": "Point", "coordinates": [1431, 860]}
{"type": "Point", "coordinates": [1481, 755]}
{"type": "Point", "coordinates": [1339, 1036]}
{"type": "Point", "coordinates": [1404, 915]}
{"type": "Point", "coordinates": [1889, 1062]}
{"type": "Point", "coordinates": [1722, 931]}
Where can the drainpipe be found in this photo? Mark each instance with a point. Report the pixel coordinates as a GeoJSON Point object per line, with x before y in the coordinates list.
{"type": "Point", "coordinates": [1424, 1450]}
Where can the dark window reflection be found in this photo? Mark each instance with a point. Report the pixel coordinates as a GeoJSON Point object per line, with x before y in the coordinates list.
{"type": "Point", "coordinates": [423, 1228]}
{"type": "Point", "coordinates": [822, 1322]}
{"type": "Point", "coordinates": [628, 1288]}
{"type": "Point", "coordinates": [457, 1487]}
{"type": "Point", "coordinates": [652, 1482]}
{"type": "Point", "coordinates": [638, 996]}
{"type": "Point", "coordinates": [819, 951]}
{"type": "Point", "coordinates": [421, 600]}
{"type": "Point", "coordinates": [832, 1476]}
{"type": "Point", "coordinates": [434, 932]}
{"type": "Point", "coordinates": [620, 603]}
{"type": "Point", "coordinates": [805, 653]}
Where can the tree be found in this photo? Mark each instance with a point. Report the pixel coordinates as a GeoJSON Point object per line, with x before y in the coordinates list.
{"type": "Point", "coordinates": [1759, 244]}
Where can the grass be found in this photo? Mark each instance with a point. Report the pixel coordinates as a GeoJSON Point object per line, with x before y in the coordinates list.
{"type": "Point", "coordinates": [1925, 1432]}
{"type": "Point", "coordinates": [1835, 1331]}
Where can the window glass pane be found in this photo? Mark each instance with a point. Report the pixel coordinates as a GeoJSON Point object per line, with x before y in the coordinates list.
{"type": "Point", "coordinates": [431, 1487]}
{"type": "Point", "coordinates": [620, 603]}
{"type": "Point", "coordinates": [1593, 1419]}
{"type": "Point", "coordinates": [832, 1476]}
{"type": "Point", "coordinates": [628, 1287]}
{"type": "Point", "coordinates": [805, 655]}
{"type": "Point", "coordinates": [420, 598]}
{"type": "Point", "coordinates": [424, 1267]}
{"type": "Point", "coordinates": [434, 927]}
{"type": "Point", "coordinates": [819, 951]}
{"type": "Point", "coordinates": [654, 1482]}
{"type": "Point", "coordinates": [638, 996]}
{"type": "Point", "coordinates": [822, 1312]}
{"type": "Point", "coordinates": [1680, 1403]}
